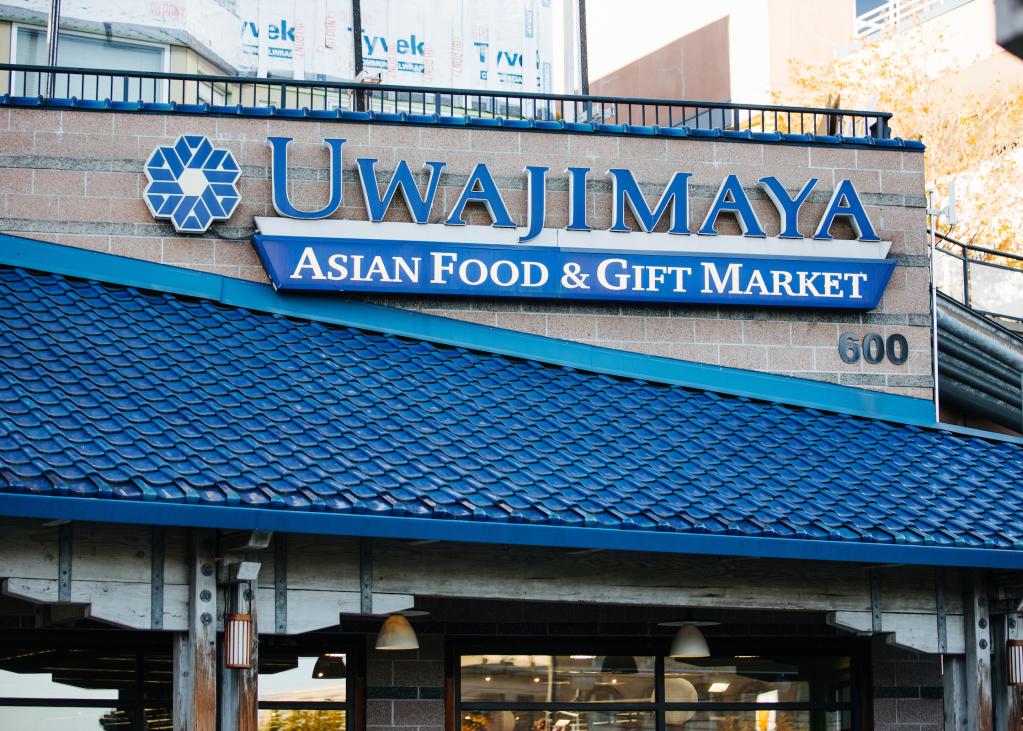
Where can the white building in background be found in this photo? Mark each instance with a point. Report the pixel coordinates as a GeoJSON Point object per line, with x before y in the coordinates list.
{"type": "Point", "coordinates": [492, 44]}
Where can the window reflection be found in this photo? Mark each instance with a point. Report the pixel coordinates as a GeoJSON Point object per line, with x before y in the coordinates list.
{"type": "Point", "coordinates": [317, 678]}
{"type": "Point", "coordinates": [547, 693]}
{"type": "Point", "coordinates": [293, 680]}
{"type": "Point", "coordinates": [558, 678]}
{"type": "Point", "coordinates": [758, 680]}
{"type": "Point", "coordinates": [759, 720]}
{"type": "Point", "coordinates": [302, 720]}
{"type": "Point", "coordinates": [562, 720]}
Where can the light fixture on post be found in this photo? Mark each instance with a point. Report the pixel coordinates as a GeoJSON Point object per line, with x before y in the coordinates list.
{"type": "Point", "coordinates": [238, 641]}
{"type": "Point", "coordinates": [689, 640]}
{"type": "Point", "coordinates": [1015, 658]}
{"type": "Point", "coordinates": [397, 634]}
{"type": "Point", "coordinates": [239, 645]}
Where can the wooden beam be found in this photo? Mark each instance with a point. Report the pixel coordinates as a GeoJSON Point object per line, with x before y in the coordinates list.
{"type": "Point", "coordinates": [954, 682]}
{"type": "Point", "coordinates": [239, 686]}
{"type": "Point", "coordinates": [915, 631]}
{"type": "Point", "coordinates": [195, 652]}
{"type": "Point", "coordinates": [979, 709]}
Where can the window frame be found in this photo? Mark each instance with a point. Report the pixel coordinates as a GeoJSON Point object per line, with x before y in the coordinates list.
{"type": "Point", "coordinates": [309, 645]}
{"type": "Point", "coordinates": [164, 47]}
{"type": "Point", "coordinates": [139, 642]}
{"type": "Point", "coordinates": [856, 649]}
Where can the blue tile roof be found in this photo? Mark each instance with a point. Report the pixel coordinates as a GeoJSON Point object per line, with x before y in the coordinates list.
{"type": "Point", "coordinates": [119, 404]}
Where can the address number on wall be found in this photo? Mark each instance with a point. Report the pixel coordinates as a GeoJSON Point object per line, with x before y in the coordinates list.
{"type": "Point", "coordinates": [873, 348]}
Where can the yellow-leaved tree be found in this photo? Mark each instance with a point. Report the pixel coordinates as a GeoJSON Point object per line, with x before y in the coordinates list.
{"type": "Point", "coordinates": [974, 136]}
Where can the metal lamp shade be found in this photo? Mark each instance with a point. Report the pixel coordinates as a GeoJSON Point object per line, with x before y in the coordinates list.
{"type": "Point", "coordinates": [397, 634]}
{"type": "Point", "coordinates": [330, 666]}
{"type": "Point", "coordinates": [689, 642]}
{"type": "Point", "coordinates": [1015, 656]}
{"type": "Point", "coordinates": [238, 641]}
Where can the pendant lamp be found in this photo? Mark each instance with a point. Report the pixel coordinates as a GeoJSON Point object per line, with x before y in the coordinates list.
{"type": "Point", "coordinates": [689, 642]}
{"type": "Point", "coordinates": [397, 634]}
{"type": "Point", "coordinates": [330, 666]}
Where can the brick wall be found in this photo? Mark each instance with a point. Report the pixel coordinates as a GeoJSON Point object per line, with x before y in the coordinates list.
{"type": "Point", "coordinates": [75, 178]}
{"type": "Point", "coordinates": [908, 690]}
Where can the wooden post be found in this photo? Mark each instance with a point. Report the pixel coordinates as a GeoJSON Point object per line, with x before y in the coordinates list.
{"type": "Point", "coordinates": [1005, 627]}
{"type": "Point", "coordinates": [979, 707]}
{"type": "Point", "coordinates": [195, 652]}
{"type": "Point", "coordinates": [954, 680]}
{"type": "Point", "coordinates": [240, 686]}
{"type": "Point", "coordinates": [999, 667]}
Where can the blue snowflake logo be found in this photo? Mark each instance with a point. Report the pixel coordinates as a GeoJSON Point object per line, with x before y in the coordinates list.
{"type": "Point", "coordinates": [192, 184]}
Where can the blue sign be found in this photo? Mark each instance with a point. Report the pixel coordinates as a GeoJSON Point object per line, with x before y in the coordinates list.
{"type": "Point", "coordinates": [417, 267]}
{"type": "Point", "coordinates": [651, 251]}
{"type": "Point", "coordinates": [191, 183]}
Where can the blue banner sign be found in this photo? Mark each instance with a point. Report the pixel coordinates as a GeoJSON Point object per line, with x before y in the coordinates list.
{"type": "Point", "coordinates": [653, 249]}
{"type": "Point", "coordinates": [449, 268]}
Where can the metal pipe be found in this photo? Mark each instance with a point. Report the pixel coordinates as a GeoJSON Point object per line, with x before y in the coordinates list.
{"type": "Point", "coordinates": [934, 303]}
{"type": "Point", "coordinates": [584, 72]}
{"type": "Point", "coordinates": [996, 344]}
{"type": "Point", "coordinates": [968, 353]}
{"type": "Point", "coordinates": [975, 377]}
{"type": "Point", "coordinates": [975, 402]}
{"type": "Point", "coordinates": [52, 38]}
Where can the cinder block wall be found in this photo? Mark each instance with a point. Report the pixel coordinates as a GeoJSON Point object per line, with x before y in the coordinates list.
{"type": "Point", "coordinates": [908, 690]}
{"type": "Point", "coordinates": [75, 177]}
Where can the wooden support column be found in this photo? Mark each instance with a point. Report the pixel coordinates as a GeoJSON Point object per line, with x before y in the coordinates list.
{"type": "Point", "coordinates": [954, 681]}
{"type": "Point", "coordinates": [979, 707]}
{"type": "Point", "coordinates": [239, 687]}
{"type": "Point", "coordinates": [1007, 710]}
{"type": "Point", "coordinates": [195, 651]}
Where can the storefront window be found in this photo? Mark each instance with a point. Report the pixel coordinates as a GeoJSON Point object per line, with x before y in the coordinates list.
{"type": "Point", "coordinates": [307, 692]}
{"type": "Point", "coordinates": [90, 681]}
{"type": "Point", "coordinates": [584, 692]}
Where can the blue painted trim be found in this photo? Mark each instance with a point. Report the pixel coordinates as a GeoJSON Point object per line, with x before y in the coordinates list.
{"type": "Point", "coordinates": [104, 510]}
{"type": "Point", "coordinates": [69, 261]}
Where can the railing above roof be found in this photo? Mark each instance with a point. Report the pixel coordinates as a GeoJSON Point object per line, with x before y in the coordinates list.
{"type": "Point", "coordinates": [986, 280]}
{"type": "Point", "coordinates": [139, 91]}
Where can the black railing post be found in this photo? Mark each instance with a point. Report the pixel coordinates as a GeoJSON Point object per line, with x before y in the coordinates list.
{"type": "Point", "coordinates": [966, 275]}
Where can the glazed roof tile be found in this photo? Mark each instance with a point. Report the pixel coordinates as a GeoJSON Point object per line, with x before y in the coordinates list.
{"type": "Point", "coordinates": [108, 391]}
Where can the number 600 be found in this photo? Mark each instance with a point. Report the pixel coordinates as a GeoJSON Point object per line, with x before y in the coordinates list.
{"type": "Point", "coordinates": [874, 348]}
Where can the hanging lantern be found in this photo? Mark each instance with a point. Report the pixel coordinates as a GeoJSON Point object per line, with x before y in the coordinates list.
{"type": "Point", "coordinates": [689, 642]}
{"type": "Point", "coordinates": [1015, 655]}
{"type": "Point", "coordinates": [238, 641]}
{"type": "Point", "coordinates": [397, 634]}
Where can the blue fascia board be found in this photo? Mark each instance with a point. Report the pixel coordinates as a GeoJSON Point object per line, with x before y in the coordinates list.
{"type": "Point", "coordinates": [123, 271]}
{"type": "Point", "coordinates": [105, 510]}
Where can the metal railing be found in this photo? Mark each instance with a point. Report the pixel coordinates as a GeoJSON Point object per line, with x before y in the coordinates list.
{"type": "Point", "coordinates": [20, 84]}
{"type": "Point", "coordinates": [892, 14]}
{"type": "Point", "coordinates": [986, 280]}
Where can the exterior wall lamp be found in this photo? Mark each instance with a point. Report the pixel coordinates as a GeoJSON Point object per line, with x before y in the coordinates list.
{"type": "Point", "coordinates": [1015, 657]}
